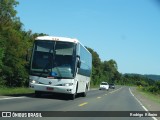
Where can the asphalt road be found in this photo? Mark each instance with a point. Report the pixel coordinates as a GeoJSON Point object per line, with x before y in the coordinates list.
{"type": "Point", "coordinates": [97, 104]}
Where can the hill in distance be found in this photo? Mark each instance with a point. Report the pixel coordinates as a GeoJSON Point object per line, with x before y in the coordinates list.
{"type": "Point", "coordinates": [149, 76]}
{"type": "Point", "coordinates": [153, 77]}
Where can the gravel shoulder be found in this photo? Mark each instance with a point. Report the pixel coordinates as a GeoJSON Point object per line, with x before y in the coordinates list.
{"type": "Point", "coordinates": [150, 104]}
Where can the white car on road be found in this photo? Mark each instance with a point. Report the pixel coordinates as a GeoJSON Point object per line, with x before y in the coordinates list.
{"type": "Point", "coordinates": [104, 85]}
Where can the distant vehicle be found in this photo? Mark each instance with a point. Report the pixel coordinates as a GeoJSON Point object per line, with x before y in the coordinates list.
{"type": "Point", "coordinates": [60, 65]}
{"type": "Point", "coordinates": [104, 86]}
{"type": "Point", "coordinates": [112, 86]}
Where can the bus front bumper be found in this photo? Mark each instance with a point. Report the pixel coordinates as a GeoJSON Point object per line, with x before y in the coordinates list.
{"type": "Point", "coordinates": [54, 89]}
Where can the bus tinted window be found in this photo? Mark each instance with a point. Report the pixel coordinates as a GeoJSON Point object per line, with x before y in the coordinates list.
{"type": "Point", "coordinates": [86, 62]}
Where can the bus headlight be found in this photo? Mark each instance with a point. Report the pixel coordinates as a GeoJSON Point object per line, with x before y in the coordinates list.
{"type": "Point", "coordinates": [65, 84]}
{"type": "Point", "coordinates": [33, 81]}
{"type": "Point", "coordinates": [68, 84]}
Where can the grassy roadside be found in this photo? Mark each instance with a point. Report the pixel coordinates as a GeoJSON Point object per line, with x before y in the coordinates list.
{"type": "Point", "coordinates": [94, 86]}
{"type": "Point", "coordinates": [15, 91]}
{"type": "Point", "coordinates": [153, 97]}
{"type": "Point", "coordinates": [20, 90]}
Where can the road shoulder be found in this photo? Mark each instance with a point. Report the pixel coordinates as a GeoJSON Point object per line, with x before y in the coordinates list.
{"type": "Point", "coordinates": [148, 103]}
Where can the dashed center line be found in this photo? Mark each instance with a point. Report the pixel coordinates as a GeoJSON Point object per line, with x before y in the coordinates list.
{"type": "Point", "coordinates": [109, 92]}
{"type": "Point", "coordinates": [80, 105]}
{"type": "Point", "coordinates": [99, 97]}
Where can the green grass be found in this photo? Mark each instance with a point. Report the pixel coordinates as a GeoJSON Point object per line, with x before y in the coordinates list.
{"type": "Point", "coordinates": [21, 90]}
{"type": "Point", "coordinates": [149, 95]}
{"type": "Point", "coordinates": [14, 91]}
{"type": "Point", "coordinates": [94, 86]}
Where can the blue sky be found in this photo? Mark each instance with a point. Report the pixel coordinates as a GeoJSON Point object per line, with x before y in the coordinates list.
{"type": "Point", "coordinates": [127, 31]}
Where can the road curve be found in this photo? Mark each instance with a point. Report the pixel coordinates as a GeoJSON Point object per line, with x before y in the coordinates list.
{"type": "Point", "coordinates": [119, 99]}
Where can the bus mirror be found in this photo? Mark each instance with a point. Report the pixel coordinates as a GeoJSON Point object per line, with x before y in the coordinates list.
{"type": "Point", "coordinates": [79, 61]}
{"type": "Point", "coordinates": [79, 64]}
{"type": "Point", "coordinates": [78, 56]}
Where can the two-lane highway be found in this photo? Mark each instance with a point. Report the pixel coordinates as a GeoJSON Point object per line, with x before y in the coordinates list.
{"type": "Point", "coordinates": [119, 99]}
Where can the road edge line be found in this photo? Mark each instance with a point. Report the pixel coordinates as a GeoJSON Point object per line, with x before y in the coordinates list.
{"type": "Point", "coordinates": [154, 118]}
{"type": "Point", "coordinates": [10, 98]}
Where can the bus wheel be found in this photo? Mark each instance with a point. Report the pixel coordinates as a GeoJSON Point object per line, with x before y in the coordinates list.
{"type": "Point", "coordinates": [84, 94]}
{"type": "Point", "coordinates": [37, 94]}
{"type": "Point", "coordinates": [72, 96]}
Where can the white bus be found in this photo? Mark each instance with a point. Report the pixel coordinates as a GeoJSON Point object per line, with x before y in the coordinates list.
{"type": "Point", "coordinates": [60, 65]}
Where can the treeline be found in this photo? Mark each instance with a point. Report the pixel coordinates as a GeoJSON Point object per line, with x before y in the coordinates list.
{"type": "Point", "coordinates": [15, 43]}
{"type": "Point", "coordinates": [108, 71]}
{"type": "Point", "coordinates": [104, 70]}
{"type": "Point", "coordinates": [142, 81]}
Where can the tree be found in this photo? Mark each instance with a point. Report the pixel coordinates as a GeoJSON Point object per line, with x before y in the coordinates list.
{"type": "Point", "coordinates": [110, 70]}
{"type": "Point", "coordinates": [7, 11]}
{"type": "Point", "coordinates": [103, 71]}
{"type": "Point", "coordinates": [96, 67]}
{"type": "Point", "coordinates": [13, 47]}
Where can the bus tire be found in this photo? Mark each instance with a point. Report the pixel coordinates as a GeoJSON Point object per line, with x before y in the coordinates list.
{"type": "Point", "coordinates": [37, 94]}
{"type": "Point", "coordinates": [84, 94]}
{"type": "Point", "coordinates": [72, 96]}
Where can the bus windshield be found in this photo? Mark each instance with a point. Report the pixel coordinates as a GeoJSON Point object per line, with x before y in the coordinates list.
{"type": "Point", "coordinates": [53, 58]}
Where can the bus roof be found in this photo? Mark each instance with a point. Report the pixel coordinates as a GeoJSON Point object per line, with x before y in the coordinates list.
{"type": "Point", "coordinates": [65, 39]}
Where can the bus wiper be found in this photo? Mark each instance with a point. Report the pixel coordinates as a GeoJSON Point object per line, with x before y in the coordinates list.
{"type": "Point", "coordinates": [45, 68]}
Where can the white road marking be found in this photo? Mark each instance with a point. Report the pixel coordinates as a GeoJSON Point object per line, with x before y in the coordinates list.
{"type": "Point", "coordinates": [141, 104]}
{"type": "Point", "coordinates": [9, 98]}
{"type": "Point", "coordinates": [115, 90]}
